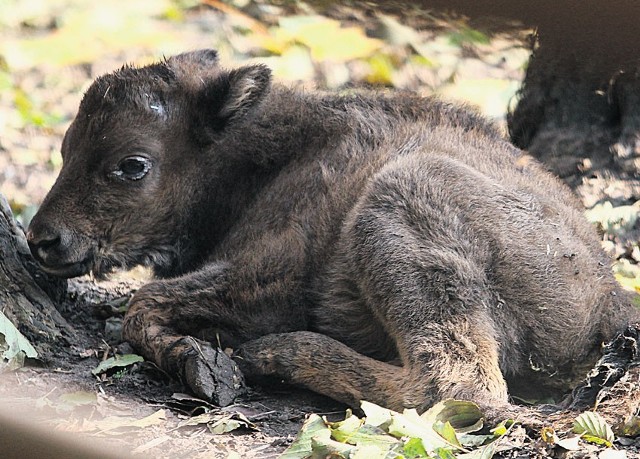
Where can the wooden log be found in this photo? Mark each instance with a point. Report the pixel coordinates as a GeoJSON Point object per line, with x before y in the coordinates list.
{"type": "Point", "coordinates": [27, 295]}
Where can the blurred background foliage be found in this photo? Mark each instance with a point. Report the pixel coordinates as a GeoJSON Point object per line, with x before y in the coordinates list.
{"type": "Point", "coordinates": [51, 50]}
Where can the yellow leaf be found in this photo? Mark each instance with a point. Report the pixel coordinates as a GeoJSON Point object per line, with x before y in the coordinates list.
{"type": "Point", "coordinates": [325, 38]}
{"type": "Point", "coordinates": [381, 70]}
{"type": "Point", "coordinates": [629, 283]}
{"type": "Point", "coordinates": [90, 31]}
{"type": "Point", "coordinates": [111, 423]}
{"type": "Point", "coordinates": [491, 95]}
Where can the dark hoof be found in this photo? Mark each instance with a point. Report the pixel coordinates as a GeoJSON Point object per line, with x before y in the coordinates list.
{"type": "Point", "coordinates": [212, 375]}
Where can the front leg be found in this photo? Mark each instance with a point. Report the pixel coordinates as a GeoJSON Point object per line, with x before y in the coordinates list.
{"type": "Point", "coordinates": [151, 328]}
{"type": "Point", "coordinates": [173, 321]}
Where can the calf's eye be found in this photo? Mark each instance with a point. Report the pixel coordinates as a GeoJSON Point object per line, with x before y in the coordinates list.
{"type": "Point", "coordinates": [132, 168]}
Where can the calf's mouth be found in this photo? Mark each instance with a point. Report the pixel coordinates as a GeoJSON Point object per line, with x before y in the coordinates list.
{"type": "Point", "coordinates": [67, 270]}
{"type": "Point", "coordinates": [59, 253]}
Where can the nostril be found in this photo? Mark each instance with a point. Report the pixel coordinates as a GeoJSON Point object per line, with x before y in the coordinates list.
{"type": "Point", "coordinates": [45, 238]}
{"type": "Point", "coordinates": [49, 241]}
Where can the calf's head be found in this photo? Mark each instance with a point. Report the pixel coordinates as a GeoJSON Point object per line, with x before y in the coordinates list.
{"type": "Point", "coordinates": [142, 167]}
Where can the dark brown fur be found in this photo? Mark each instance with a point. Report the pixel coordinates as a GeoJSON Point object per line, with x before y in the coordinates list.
{"type": "Point", "coordinates": [388, 248]}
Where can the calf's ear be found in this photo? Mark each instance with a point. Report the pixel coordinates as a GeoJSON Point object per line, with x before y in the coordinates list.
{"type": "Point", "coordinates": [247, 87]}
{"type": "Point", "coordinates": [233, 95]}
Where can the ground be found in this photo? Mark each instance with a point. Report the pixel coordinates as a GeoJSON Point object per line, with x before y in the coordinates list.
{"type": "Point", "coordinates": [43, 73]}
{"type": "Point", "coordinates": [65, 395]}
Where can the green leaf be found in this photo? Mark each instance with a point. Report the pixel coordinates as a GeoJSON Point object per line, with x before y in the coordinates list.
{"type": "Point", "coordinates": [343, 430]}
{"type": "Point", "coordinates": [594, 428]}
{"type": "Point", "coordinates": [366, 437]}
{"type": "Point", "coordinates": [444, 453]}
{"type": "Point", "coordinates": [473, 441]}
{"type": "Point", "coordinates": [414, 448]}
{"type": "Point", "coordinates": [410, 424]}
{"type": "Point", "coordinates": [502, 428]}
{"type": "Point", "coordinates": [226, 424]}
{"type": "Point", "coordinates": [372, 452]}
{"type": "Point", "coordinates": [464, 416]}
{"type": "Point", "coordinates": [13, 345]}
{"type": "Point", "coordinates": [302, 445]}
{"type": "Point", "coordinates": [375, 415]}
{"type": "Point", "coordinates": [447, 432]}
{"type": "Point", "coordinates": [487, 451]}
{"type": "Point", "coordinates": [115, 362]}
{"type": "Point", "coordinates": [324, 446]}
{"type": "Point", "coordinates": [6, 82]}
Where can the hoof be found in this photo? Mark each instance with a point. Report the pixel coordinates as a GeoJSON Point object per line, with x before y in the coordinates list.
{"type": "Point", "coordinates": [212, 375]}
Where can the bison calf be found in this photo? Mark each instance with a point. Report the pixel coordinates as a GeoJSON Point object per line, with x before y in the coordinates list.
{"type": "Point", "coordinates": [391, 248]}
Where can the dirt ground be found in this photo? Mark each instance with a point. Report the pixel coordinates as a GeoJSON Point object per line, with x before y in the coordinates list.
{"type": "Point", "coordinates": [65, 396]}
{"type": "Point", "coordinates": [140, 411]}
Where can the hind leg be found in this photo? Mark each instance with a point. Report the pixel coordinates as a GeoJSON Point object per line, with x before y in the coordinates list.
{"type": "Point", "coordinates": [443, 364]}
{"type": "Point", "coordinates": [417, 270]}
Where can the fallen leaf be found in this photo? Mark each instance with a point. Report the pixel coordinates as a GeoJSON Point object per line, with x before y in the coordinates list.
{"type": "Point", "coordinates": [464, 416]}
{"type": "Point", "coordinates": [302, 446]}
{"type": "Point", "coordinates": [410, 424]}
{"type": "Point", "coordinates": [116, 362]}
{"type": "Point", "coordinates": [593, 428]}
{"type": "Point", "coordinates": [324, 37]}
{"type": "Point", "coordinates": [630, 427]}
{"type": "Point", "coordinates": [230, 423]}
{"type": "Point", "coordinates": [569, 443]}
{"type": "Point", "coordinates": [124, 424]}
{"type": "Point", "coordinates": [396, 33]}
{"type": "Point", "coordinates": [72, 400]}
{"type": "Point", "coordinates": [204, 418]}
{"type": "Point", "coordinates": [13, 345]}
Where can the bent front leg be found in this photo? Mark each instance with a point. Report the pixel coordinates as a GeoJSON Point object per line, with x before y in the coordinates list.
{"type": "Point", "coordinates": [150, 327]}
{"type": "Point", "coordinates": [172, 321]}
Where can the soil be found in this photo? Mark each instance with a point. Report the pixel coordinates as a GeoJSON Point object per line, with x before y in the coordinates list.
{"type": "Point", "coordinates": [63, 394]}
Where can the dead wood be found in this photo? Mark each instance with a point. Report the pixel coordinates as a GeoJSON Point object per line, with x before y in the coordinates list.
{"type": "Point", "coordinates": [28, 295]}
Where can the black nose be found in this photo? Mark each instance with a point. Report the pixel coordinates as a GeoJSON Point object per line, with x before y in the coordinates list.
{"type": "Point", "coordinates": [57, 249]}
{"type": "Point", "coordinates": [43, 241]}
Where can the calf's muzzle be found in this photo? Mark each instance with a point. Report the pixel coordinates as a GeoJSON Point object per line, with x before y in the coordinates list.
{"type": "Point", "coordinates": [53, 246]}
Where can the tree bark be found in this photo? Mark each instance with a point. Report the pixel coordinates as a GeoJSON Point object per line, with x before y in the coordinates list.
{"type": "Point", "coordinates": [28, 295]}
